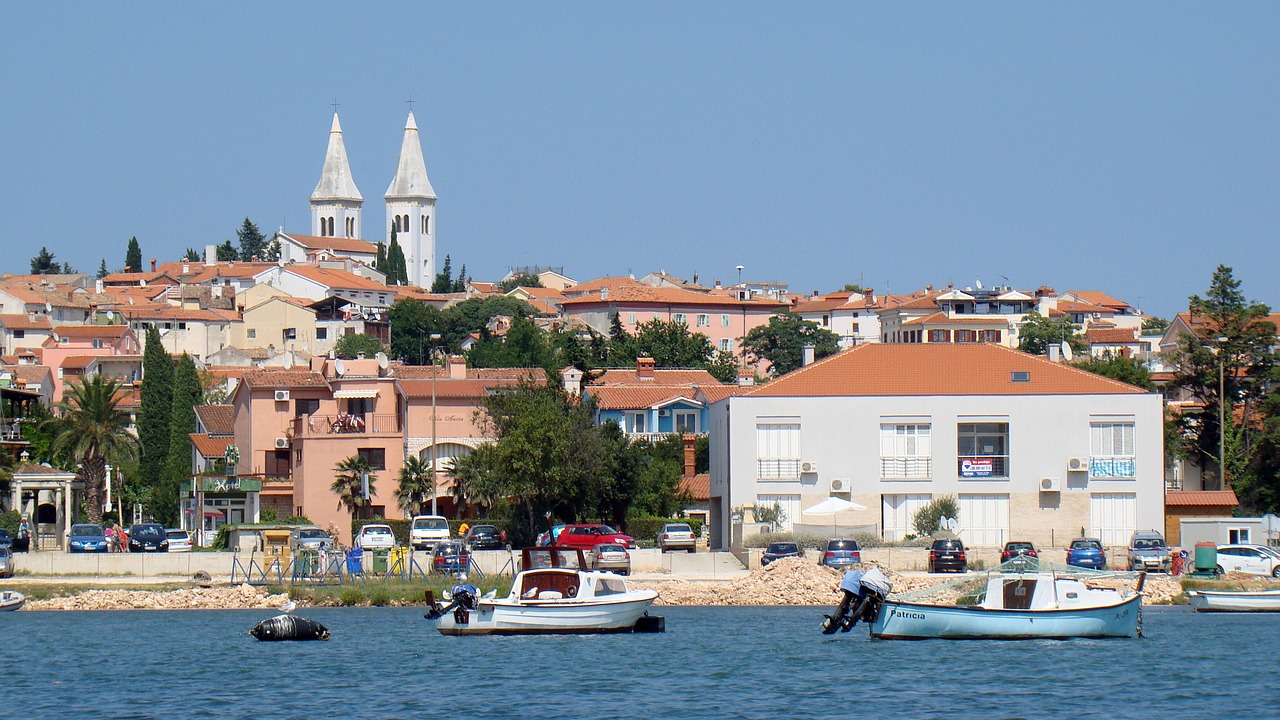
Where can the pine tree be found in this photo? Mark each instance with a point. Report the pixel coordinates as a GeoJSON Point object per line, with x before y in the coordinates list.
{"type": "Point", "coordinates": [43, 263]}
{"type": "Point", "coordinates": [157, 405]}
{"type": "Point", "coordinates": [444, 279]}
{"type": "Point", "coordinates": [182, 422]}
{"type": "Point", "coordinates": [67, 269]}
{"type": "Point", "coordinates": [133, 256]}
{"type": "Point", "coordinates": [102, 269]}
{"type": "Point", "coordinates": [192, 255]}
{"type": "Point", "coordinates": [227, 251]}
{"type": "Point", "coordinates": [272, 253]}
{"type": "Point", "coordinates": [253, 245]}
{"type": "Point", "coordinates": [460, 285]}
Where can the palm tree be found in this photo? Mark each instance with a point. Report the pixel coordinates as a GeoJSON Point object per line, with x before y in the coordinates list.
{"type": "Point", "coordinates": [93, 429]}
{"type": "Point", "coordinates": [417, 485]}
{"type": "Point", "coordinates": [347, 484]}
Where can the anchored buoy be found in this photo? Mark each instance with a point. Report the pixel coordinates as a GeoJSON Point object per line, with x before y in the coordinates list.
{"type": "Point", "coordinates": [287, 627]}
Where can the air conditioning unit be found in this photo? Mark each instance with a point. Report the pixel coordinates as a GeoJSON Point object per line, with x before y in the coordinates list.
{"type": "Point", "coordinates": [808, 467]}
{"type": "Point", "coordinates": [1050, 484]}
{"type": "Point", "coordinates": [839, 485]}
{"type": "Point", "coordinates": [282, 443]}
{"type": "Point", "coordinates": [1077, 464]}
{"type": "Point", "coordinates": [282, 396]}
{"type": "Point", "coordinates": [664, 413]}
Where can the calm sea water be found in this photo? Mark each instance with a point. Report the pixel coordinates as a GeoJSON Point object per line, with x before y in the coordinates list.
{"type": "Point", "coordinates": [711, 662]}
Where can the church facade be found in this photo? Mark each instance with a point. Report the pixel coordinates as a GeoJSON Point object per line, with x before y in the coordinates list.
{"type": "Point", "coordinates": [336, 204]}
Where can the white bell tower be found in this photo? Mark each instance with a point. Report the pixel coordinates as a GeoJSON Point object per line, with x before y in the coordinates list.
{"type": "Point", "coordinates": [411, 210]}
{"type": "Point", "coordinates": [335, 203]}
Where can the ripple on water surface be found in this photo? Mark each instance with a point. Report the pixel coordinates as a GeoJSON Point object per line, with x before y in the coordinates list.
{"type": "Point", "coordinates": [711, 662]}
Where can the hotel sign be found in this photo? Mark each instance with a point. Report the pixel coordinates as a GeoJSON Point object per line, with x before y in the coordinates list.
{"type": "Point", "coordinates": [229, 484]}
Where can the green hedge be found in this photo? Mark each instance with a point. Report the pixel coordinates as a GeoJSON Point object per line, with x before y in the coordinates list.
{"type": "Point", "coordinates": [647, 528]}
{"type": "Point", "coordinates": [9, 520]}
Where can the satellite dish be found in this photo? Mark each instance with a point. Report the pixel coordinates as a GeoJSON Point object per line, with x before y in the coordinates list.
{"type": "Point", "coordinates": [382, 360]}
{"type": "Point", "coordinates": [340, 366]}
{"type": "Point", "coordinates": [979, 284]}
{"type": "Point", "coordinates": [1066, 350]}
{"type": "Point", "coordinates": [48, 308]}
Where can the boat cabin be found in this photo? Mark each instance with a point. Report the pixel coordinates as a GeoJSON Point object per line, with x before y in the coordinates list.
{"type": "Point", "coordinates": [1042, 592]}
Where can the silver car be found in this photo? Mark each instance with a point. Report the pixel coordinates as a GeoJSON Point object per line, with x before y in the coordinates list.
{"type": "Point", "coordinates": [677, 536]}
{"type": "Point", "coordinates": [611, 557]}
{"type": "Point", "coordinates": [6, 562]}
{"type": "Point", "coordinates": [309, 538]}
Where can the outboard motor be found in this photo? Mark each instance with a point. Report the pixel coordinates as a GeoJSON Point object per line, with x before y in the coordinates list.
{"type": "Point", "coordinates": [288, 627]}
{"type": "Point", "coordinates": [463, 597]}
{"type": "Point", "coordinates": [863, 593]}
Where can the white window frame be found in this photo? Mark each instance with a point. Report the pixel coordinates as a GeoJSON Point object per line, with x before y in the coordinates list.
{"type": "Point", "coordinates": [778, 451]}
{"type": "Point", "coordinates": [724, 321]}
{"type": "Point", "coordinates": [726, 345]}
{"type": "Point", "coordinates": [635, 422]}
{"type": "Point", "coordinates": [1112, 450]}
{"type": "Point", "coordinates": [704, 320]}
{"type": "Point", "coordinates": [906, 451]}
{"type": "Point", "coordinates": [689, 416]}
{"type": "Point", "coordinates": [680, 318]}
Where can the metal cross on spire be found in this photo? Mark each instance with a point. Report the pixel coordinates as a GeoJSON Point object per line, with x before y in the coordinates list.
{"type": "Point", "coordinates": [410, 101]}
{"type": "Point", "coordinates": [335, 106]}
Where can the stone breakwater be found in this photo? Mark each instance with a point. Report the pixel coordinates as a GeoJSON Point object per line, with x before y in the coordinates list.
{"type": "Point", "coordinates": [234, 597]}
{"type": "Point", "coordinates": [796, 581]}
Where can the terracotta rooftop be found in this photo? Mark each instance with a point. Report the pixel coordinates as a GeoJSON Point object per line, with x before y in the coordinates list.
{"type": "Point", "coordinates": [1118, 335]}
{"type": "Point", "coordinates": [22, 321]}
{"type": "Point", "coordinates": [716, 393]}
{"type": "Point", "coordinates": [669, 377]}
{"type": "Point", "coordinates": [941, 318]}
{"type": "Point", "coordinates": [1097, 297]}
{"type": "Point", "coordinates": [445, 388]}
{"type": "Point", "coordinates": [91, 332]}
{"type": "Point", "coordinates": [623, 398]}
{"type": "Point", "coordinates": [879, 370]}
{"type": "Point", "coordinates": [698, 487]}
{"type": "Point", "coordinates": [217, 419]}
{"type": "Point", "coordinates": [339, 279]}
{"type": "Point", "coordinates": [596, 284]}
{"type": "Point", "coordinates": [417, 372]}
{"type": "Point", "coordinates": [337, 244]}
{"type": "Point", "coordinates": [284, 379]}
{"type": "Point", "coordinates": [211, 447]}
{"type": "Point", "coordinates": [1079, 307]}
{"type": "Point", "coordinates": [1201, 498]}
{"type": "Point", "coordinates": [644, 294]}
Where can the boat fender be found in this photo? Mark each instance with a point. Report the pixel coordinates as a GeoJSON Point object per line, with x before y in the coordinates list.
{"type": "Point", "coordinates": [287, 627]}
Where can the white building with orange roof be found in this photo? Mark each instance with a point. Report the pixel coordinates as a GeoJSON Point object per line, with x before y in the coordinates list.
{"type": "Point", "coordinates": [1031, 449]}
{"type": "Point", "coordinates": [852, 316]}
{"type": "Point", "coordinates": [296, 248]}
{"type": "Point", "coordinates": [23, 331]}
{"type": "Point", "coordinates": [198, 333]}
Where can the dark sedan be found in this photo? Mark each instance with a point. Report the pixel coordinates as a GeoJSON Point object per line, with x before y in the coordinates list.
{"type": "Point", "coordinates": [6, 540]}
{"type": "Point", "coordinates": [450, 557]}
{"type": "Point", "coordinates": [485, 537]}
{"type": "Point", "coordinates": [779, 550]}
{"type": "Point", "coordinates": [148, 537]}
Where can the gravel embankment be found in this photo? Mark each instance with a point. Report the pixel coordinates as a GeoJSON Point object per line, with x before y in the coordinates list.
{"type": "Point", "coordinates": [234, 597]}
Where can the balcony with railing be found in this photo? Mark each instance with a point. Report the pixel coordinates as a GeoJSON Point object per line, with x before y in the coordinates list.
{"type": "Point", "coordinates": [983, 466]}
{"type": "Point", "coordinates": [906, 468]}
{"type": "Point", "coordinates": [778, 468]}
{"type": "Point", "coordinates": [346, 424]}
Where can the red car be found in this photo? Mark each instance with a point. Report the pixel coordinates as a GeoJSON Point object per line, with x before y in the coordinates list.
{"type": "Point", "coordinates": [589, 536]}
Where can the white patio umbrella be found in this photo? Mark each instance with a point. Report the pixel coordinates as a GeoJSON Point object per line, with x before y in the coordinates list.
{"type": "Point", "coordinates": [831, 506]}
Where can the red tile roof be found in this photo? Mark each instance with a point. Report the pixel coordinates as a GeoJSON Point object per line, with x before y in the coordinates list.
{"type": "Point", "coordinates": [91, 332]}
{"type": "Point", "coordinates": [418, 372]}
{"type": "Point", "coordinates": [1079, 307]}
{"type": "Point", "coordinates": [646, 295]}
{"type": "Point", "coordinates": [595, 285]}
{"type": "Point", "coordinates": [698, 487]}
{"type": "Point", "coordinates": [1097, 297]}
{"type": "Point", "coordinates": [669, 377]}
{"type": "Point", "coordinates": [445, 387]}
{"type": "Point", "coordinates": [1201, 498]}
{"type": "Point", "coordinates": [1109, 336]}
{"type": "Point", "coordinates": [879, 370]}
{"type": "Point", "coordinates": [217, 419]}
{"type": "Point", "coordinates": [22, 321]}
{"type": "Point", "coordinates": [941, 318]}
{"type": "Point", "coordinates": [337, 244]}
{"type": "Point", "coordinates": [339, 279]}
{"type": "Point", "coordinates": [716, 393]}
{"type": "Point", "coordinates": [620, 398]}
{"type": "Point", "coordinates": [211, 447]}
{"type": "Point", "coordinates": [284, 379]}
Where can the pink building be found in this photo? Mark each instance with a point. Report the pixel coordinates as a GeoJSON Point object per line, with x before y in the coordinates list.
{"type": "Point", "coordinates": [84, 341]}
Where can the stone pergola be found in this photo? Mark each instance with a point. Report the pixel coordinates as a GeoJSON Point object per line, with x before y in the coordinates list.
{"type": "Point", "coordinates": [48, 486]}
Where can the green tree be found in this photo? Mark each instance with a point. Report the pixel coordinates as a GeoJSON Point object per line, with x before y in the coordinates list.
{"type": "Point", "coordinates": [43, 263]}
{"type": "Point", "coordinates": [187, 394]}
{"type": "Point", "coordinates": [102, 269]}
{"type": "Point", "coordinates": [156, 409]}
{"type": "Point", "coordinates": [853, 288]}
{"type": "Point", "coordinates": [520, 279]}
{"type": "Point", "coordinates": [783, 339]}
{"type": "Point", "coordinates": [670, 344]}
{"type": "Point", "coordinates": [271, 253]}
{"type": "Point", "coordinates": [444, 279]}
{"type": "Point", "coordinates": [93, 431]}
{"type": "Point", "coordinates": [416, 487]}
{"type": "Point", "coordinates": [380, 261]}
{"type": "Point", "coordinates": [412, 324]}
{"type": "Point", "coordinates": [1039, 332]}
{"type": "Point", "coordinates": [192, 255]}
{"type": "Point", "coordinates": [1154, 324]}
{"type": "Point", "coordinates": [397, 271]}
{"type": "Point", "coordinates": [523, 345]}
{"type": "Point", "coordinates": [928, 519]}
{"type": "Point", "coordinates": [348, 485]}
{"type": "Point", "coordinates": [622, 346]}
{"type": "Point", "coordinates": [253, 244]}
{"type": "Point", "coordinates": [1231, 346]}
{"type": "Point", "coordinates": [352, 345]}
{"type": "Point", "coordinates": [227, 252]}
{"type": "Point", "coordinates": [1118, 367]}
{"type": "Point", "coordinates": [133, 256]}
{"type": "Point", "coordinates": [460, 284]}
{"type": "Point", "coordinates": [724, 367]}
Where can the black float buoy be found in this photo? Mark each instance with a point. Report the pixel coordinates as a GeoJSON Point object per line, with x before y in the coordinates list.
{"type": "Point", "coordinates": [650, 624]}
{"type": "Point", "coordinates": [288, 627]}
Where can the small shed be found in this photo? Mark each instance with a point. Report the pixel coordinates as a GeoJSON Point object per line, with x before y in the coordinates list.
{"type": "Point", "coordinates": [1222, 531]}
{"type": "Point", "coordinates": [1180, 505]}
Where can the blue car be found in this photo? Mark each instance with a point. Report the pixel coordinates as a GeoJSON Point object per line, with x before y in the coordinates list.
{"type": "Point", "coordinates": [1087, 553]}
{"type": "Point", "coordinates": [88, 537]}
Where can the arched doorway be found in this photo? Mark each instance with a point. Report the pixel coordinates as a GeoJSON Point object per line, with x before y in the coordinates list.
{"type": "Point", "coordinates": [445, 454]}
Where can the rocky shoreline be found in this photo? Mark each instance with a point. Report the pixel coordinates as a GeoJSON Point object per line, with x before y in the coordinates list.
{"type": "Point", "coordinates": [791, 581]}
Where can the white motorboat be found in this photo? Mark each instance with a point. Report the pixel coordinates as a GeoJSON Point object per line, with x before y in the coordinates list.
{"type": "Point", "coordinates": [11, 600]}
{"type": "Point", "coordinates": [1234, 601]}
{"type": "Point", "coordinates": [554, 593]}
{"type": "Point", "coordinates": [1012, 602]}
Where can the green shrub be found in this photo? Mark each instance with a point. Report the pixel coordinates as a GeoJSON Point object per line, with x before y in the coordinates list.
{"type": "Point", "coordinates": [929, 518]}
{"type": "Point", "coordinates": [9, 520]}
{"type": "Point", "coordinates": [350, 596]}
{"type": "Point", "coordinates": [647, 528]}
{"type": "Point", "coordinates": [379, 597]}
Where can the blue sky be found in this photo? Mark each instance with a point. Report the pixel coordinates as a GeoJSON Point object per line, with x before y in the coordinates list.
{"type": "Point", "coordinates": [1122, 147]}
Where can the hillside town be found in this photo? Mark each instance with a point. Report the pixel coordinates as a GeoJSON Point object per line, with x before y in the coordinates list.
{"type": "Point", "coordinates": [349, 373]}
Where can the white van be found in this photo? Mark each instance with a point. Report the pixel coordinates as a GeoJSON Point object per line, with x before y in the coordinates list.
{"type": "Point", "coordinates": [427, 530]}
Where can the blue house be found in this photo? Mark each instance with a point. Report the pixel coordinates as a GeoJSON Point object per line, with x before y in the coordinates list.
{"type": "Point", "coordinates": [648, 403]}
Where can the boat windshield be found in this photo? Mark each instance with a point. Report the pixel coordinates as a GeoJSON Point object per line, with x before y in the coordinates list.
{"type": "Point", "coordinates": [610, 586]}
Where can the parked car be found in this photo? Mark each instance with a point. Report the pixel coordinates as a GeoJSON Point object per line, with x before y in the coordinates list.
{"type": "Point", "coordinates": [148, 537]}
{"type": "Point", "coordinates": [779, 550]}
{"type": "Point", "coordinates": [1148, 551]}
{"type": "Point", "coordinates": [948, 555]}
{"type": "Point", "coordinates": [6, 540]}
{"type": "Point", "coordinates": [485, 537]}
{"type": "Point", "coordinates": [840, 553]}
{"type": "Point", "coordinates": [1251, 559]}
{"type": "Point", "coordinates": [427, 530]}
{"type": "Point", "coordinates": [1018, 549]}
{"type": "Point", "coordinates": [1087, 553]}
{"type": "Point", "coordinates": [308, 538]}
{"type": "Point", "coordinates": [179, 540]}
{"type": "Point", "coordinates": [375, 537]}
{"type": "Point", "coordinates": [450, 556]}
{"type": "Point", "coordinates": [612, 557]}
{"type": "Point", "coordinates": [545, 539]}
{"type": "Point", "coordinates": [677, 536]}
{"type": "Point", "coordinates": [88, 537]}
{"type": "Point", "coordinates": [6, 562]}
{"type": "Point", "coordinates": [591, 535]}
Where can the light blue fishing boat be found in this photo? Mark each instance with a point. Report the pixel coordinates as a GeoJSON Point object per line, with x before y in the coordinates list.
{"type": "Point", "coordinates": [1015, 605]}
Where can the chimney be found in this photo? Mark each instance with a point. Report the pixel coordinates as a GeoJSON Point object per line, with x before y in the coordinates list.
{"type": "Point", "coordinates": [98, 286]}
{"type": "Point", "coordinates": [815, 293]}
{"type": "Point", "coordinates": [457, 367]}
{"type": "Point", "coordinates": [153, 264]}
{"type": "Point", "coordinates": [928, 288]}
{"type": "Point", "coordinates": [186, 268]}
{"type": "Point", "coordinates": [572, 378]}
{"type": "Point", "coordinates": [718, 285]}
{"type": "Point", "coordinates": [808, 355]}
{"type": "Point", "coordinates": [604, 293]}
{"type": "Point", "coordinates": [690, 454]}
{"type": "Point", "coordinates": [645, 368]}
{"type": "Point", "coordinates": [746, 378]}
{"type": "Point", "coordinates": [210, 254]}
{"type": "Point", "coordinates": [1053, 352]}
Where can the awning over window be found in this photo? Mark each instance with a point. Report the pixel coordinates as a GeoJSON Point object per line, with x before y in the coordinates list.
{"type": "Point", "coordinates": [341, 394]}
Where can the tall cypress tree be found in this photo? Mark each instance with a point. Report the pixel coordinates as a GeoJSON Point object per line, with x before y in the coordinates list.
{"type": "Point", "coordinates": [182, 422]}
{"type": "Point", "coordinates": [444, 279]}
{"type": "Point", "coordinates": [380, 262]}
{"type": "Point", "coordinates": [102, 269]}
{"type": "Point", "coordinates": [157, 406]}
{"type": "Point", "coordinates": [133, 256]}
{"type": "Point", "coordinates": [460, 285]}
{"type": "Point", "coordinates": [398, 273]}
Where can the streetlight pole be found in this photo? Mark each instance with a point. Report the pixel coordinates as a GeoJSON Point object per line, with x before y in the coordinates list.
{"type": "Point", "coordinates": [435, 453]}
{"type": "Point", "coordinates": [1222, 415]}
